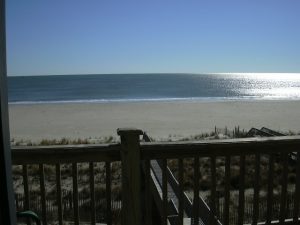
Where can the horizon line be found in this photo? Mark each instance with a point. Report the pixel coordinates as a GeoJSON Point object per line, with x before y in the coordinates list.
{"type": "Point", "coordinates": [166, 73]}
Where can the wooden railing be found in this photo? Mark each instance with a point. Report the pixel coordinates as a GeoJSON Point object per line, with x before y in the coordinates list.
{"type": "Point", "coordinates": [138, 205]}
{"type": "Point", "coordinates": [273, 148]}
{"type": "Point", "coordinates": [58, 155]}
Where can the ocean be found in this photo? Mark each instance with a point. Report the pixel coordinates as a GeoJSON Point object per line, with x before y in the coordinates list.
{"type": "Point", "coordinates": [104, 88]}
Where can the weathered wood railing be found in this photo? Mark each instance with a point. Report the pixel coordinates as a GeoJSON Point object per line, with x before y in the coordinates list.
{"type": "Point", "coordinates": [270, 147]}
{"type": "Point", "coordinates": [176, 194]}
{"type": "Point", "coordinates": [133, 154]}
{"type": "Point", "coordinates": [57, 155]}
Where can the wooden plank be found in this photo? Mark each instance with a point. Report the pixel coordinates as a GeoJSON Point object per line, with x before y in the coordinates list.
{"type": "Point", "coordinates": [26, 188]}
{"type": "Point", "coordinates": [241, 208]}
{"type": "Point", "coordinates": [75, 193]}
{"type": "Point", "coordinates": [172, 211]}
{"type": "Point", "coordinates": [196, 192]}
{"type": "Point", "coordinates": [270, 189]}
{"type": "Point", "coordinates": [227, 190]}
{"type": "Point", "coordinates": [131, 176]}
{"type": "Point", "coordinates": [180, 198]}
{"type": "Point", "coordinates": [276, 222]}
{"type": "Point", "coordinates": [164, 192]}
{"type": "Point", "coordinates": [220, 147]}
{"type": "Point", "coordinates": [297, 191]}
{"type": "Point", "coordinates": [256, 189]}
{"type": "Point", "coordinates": [204, 213]}
{"type": "Point", "coordinates": [148, 198]}
{"type": "Point", "coordinates": [283, 196]}
{"type": "Point", "coordinates": [156, 193]}
{"type": "Point", "coordinates": [172, 219]}
{"type": "Point", "coordinates": [92, 191]}
{"type": "Point", "coordinates": [147, 188]}
{"type": "Point", "coordinates": [65, 154]}
{"type": "Point", "coordinates": [213, 189]}
{"type": "Point", "coordinates": [111, 152]}
{"type": "Point", "coordinates": [108, 193]}
{"type": "Point", "coordinates": [43, 194]}
{"type": "Point", "coordinates": [204, 210]}
{"type": "Point", "coordinates": [58, 192]}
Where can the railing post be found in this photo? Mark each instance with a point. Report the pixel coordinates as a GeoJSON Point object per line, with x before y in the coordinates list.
{"type": "Point", "coordinates": [131, 176]}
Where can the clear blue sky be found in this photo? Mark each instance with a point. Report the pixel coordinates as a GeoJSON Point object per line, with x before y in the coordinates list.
{"type": "Point", "coordinates": [144, 36]}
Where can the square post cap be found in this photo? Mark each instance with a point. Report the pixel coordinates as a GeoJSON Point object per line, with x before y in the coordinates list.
{"type": "Point", "coordinates": [129, 131]}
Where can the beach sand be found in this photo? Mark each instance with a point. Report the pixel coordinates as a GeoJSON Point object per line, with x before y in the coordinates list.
{"type": "Point", "coordinates": [158, 119]}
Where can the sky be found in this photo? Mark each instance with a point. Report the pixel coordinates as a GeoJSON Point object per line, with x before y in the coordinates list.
{"type": "Point", "coordinates": [153, 36]}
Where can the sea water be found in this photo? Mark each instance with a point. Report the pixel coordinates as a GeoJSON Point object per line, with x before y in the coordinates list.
{"type": "Point", "coordinates": [153, 87]}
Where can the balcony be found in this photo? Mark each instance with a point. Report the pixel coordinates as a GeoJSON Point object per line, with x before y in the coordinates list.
{"type": "Point", "coordinates": [232, 181]}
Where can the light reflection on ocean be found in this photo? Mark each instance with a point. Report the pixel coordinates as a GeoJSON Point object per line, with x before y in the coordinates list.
{"type": "Point", "coordinates": [266, 86]}
{"type": "Point", "coordinates": [103, 88]}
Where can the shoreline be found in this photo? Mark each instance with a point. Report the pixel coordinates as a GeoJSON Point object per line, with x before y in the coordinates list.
{"type": "Point", "coordinates": [161, 100]}
{"type": "Point", "coordinates": [160, 119]}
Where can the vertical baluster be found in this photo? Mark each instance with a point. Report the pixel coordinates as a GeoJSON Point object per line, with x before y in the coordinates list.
{"type": "Point", "coordinates": [43, 193]}
{"type": "Point", "coordinates": [256, 189]}
{"type": "Point", "coordinates": [270, 189]}
{"type": "Point", "coordinates": [148, 202]}
{"type": "Point", "coordinates": [59, 198]}
{"type": "Point", "coordinates": [227, 190]}
{"type": "Point", "coordinates": [165, 192]}
{"type": "Point", "coordinates": [241, 191]}
{"type": "Point", "coordinates": [92, 191]}
{"type": "Point", "coordinates": [180, 178]}
{"type": "Point", "coordinates": [213, 190]}
{"type": "Point", "coordinates": [282, 215]}
{"type": "Point", "coordinates": [108, 193]}
{"type": "Point", "coordinates": [17, 202]}
{"type": "Point", "coordinates": [75, 193]}
{"type": "Point", "coordinates": [26, 190]}
{"type": "Point", "coordinates": [196, 191]}
{"type": "Point", "coordinates": [297, 191]}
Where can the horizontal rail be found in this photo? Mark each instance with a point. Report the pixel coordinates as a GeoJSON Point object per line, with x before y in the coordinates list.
{"type": "Point", "coordinates": [228, 147]}
{"type": "Point", "coordinates": [154, 150]}
{"type": "Point", "coordinates": [65, 154]}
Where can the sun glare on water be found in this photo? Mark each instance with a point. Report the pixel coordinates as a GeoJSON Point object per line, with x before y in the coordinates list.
{"type": "Point", "coordinates": [267, 85]}
{"type": "Point", "coordinates": [266, 76]}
